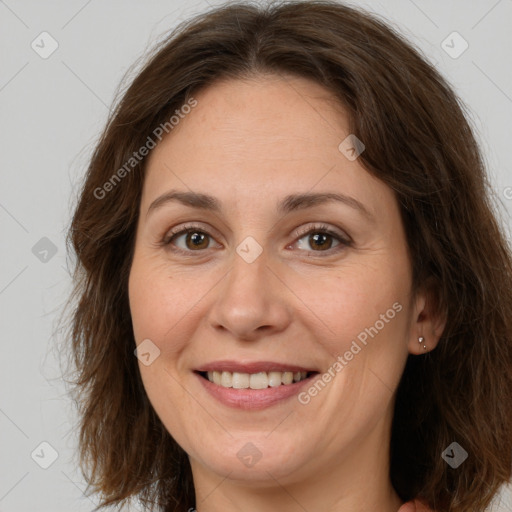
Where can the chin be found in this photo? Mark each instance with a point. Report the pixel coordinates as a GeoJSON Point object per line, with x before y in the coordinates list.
{"type": "Point", "coordinates": [256, 460]}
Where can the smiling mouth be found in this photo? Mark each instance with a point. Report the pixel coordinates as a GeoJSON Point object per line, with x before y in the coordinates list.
{"type": "Point", "coordinates": [260, 380]}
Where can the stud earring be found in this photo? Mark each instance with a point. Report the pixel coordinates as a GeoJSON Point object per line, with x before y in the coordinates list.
{"type": "Point", "coordinates": [421, 340]}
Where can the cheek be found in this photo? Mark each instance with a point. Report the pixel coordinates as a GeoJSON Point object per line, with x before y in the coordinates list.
{"type": "Point", "coordinates": [354, 299]}
{"type": "Point", "coordinates": [362, 314]}
{"type": "Point", "coordinates": [157, 299]}
{"type": "Point", "coordinates": [167, 306]}
{"type": "Point", "coordinates": [156, 305]}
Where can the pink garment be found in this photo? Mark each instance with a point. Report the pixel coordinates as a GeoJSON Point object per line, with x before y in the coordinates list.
{"type": "Point", "coordinates": [414, 506]}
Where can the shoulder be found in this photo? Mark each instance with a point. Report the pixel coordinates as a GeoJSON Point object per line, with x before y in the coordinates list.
{"type": "Point", "coordinates": [414, 506]}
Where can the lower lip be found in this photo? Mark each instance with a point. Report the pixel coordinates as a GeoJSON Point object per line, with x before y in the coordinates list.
{"type": "Point", "coordinates": [253, 399]}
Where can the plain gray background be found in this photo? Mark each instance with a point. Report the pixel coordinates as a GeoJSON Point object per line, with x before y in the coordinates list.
{"type": "Point", "coordinates": [52, 111]}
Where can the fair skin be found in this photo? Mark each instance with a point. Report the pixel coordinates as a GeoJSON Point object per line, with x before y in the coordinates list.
{"type": "Point", "coordinates": [251, 143]}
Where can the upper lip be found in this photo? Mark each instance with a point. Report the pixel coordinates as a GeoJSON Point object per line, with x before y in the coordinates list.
{"type": "Point", "coordinates": [252, 367]}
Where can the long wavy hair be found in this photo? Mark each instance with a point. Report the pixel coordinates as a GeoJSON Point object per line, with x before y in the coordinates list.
{"type": "Point", "coordinates": [418, 141]}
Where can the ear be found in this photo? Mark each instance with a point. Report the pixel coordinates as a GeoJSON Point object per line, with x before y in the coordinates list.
{"type": "Point", "coordinates": [429, 320]}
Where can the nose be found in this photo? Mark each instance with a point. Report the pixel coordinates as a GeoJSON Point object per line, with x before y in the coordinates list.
{"type": "Point", "coordinates": [251, 301]}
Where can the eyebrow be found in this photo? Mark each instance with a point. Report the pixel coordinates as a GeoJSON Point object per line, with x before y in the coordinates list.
{"type": "Point", "coordinates": [290, 203]}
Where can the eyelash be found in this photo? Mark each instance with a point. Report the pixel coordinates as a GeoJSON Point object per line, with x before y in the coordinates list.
{"type": "Point", "coordinates": [301, 233]}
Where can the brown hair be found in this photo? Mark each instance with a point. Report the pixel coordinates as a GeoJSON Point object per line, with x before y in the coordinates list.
{"type": "Point", "coordinates": [419, 142]}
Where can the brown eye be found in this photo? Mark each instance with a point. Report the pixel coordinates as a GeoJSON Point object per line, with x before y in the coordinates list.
{"type": "Point", "coordinates": [193, 240]}
{"type": "Point", "coordinates": [196, 240]}
{"type": "Point", "coordinates": [321, 239]}
{"type": "Point", "coordinates": [316, 239]}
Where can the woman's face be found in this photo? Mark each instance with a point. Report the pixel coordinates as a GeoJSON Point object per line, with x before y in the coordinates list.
{"type": "Point", "coordinates": [296, 262]}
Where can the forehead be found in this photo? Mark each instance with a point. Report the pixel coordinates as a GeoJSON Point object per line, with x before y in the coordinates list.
{"type": "Point", "coordinates": [262, 135]}
{"type": "Point", "coordinates": [264, 117]}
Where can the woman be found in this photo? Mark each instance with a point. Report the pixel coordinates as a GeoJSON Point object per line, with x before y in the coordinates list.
{"type": "Point", "coordinates": [287, 221]}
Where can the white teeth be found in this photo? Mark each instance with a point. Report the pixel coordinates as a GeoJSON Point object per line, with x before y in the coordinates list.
{"type": "Point", "coordinates": [274, 379]}
{"type": "Point", "coordinates": [240, 380]}
{"type": "Point", "coordinates": [226, 380]}
{"type": "Point", "coordinates": [287, 377]}
{"type": "Point", "coordinates": [260, 380]}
